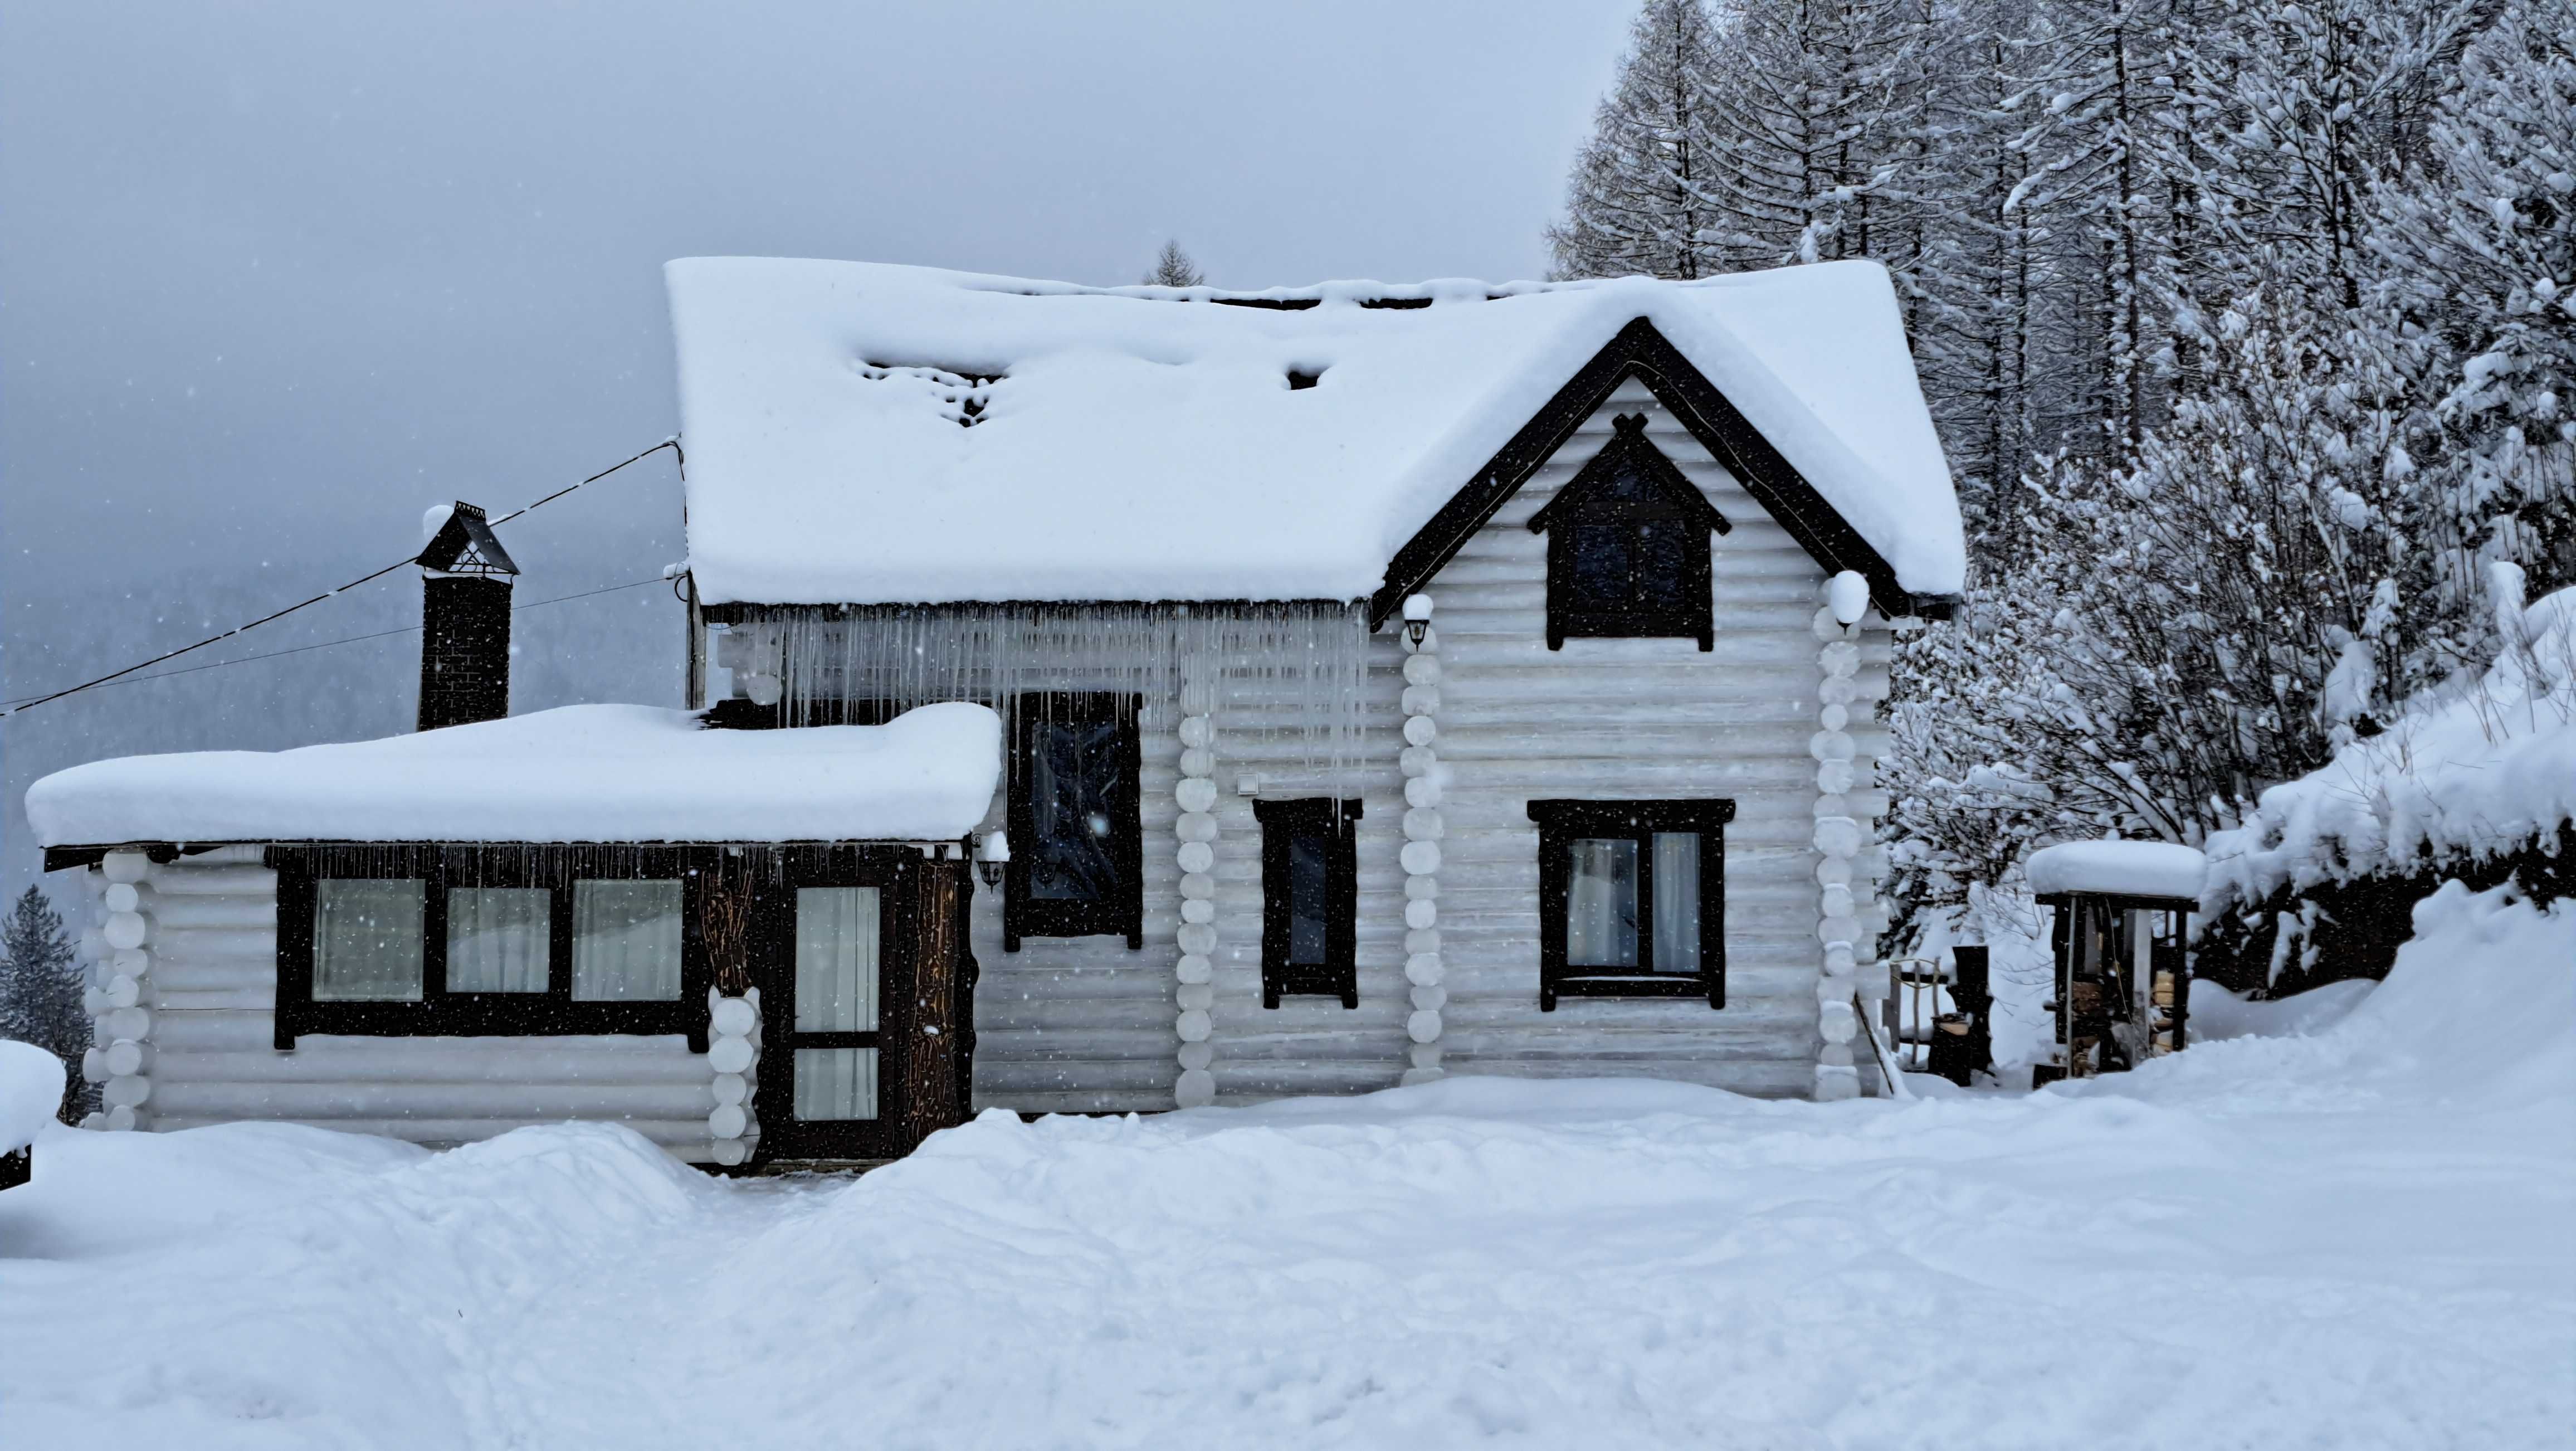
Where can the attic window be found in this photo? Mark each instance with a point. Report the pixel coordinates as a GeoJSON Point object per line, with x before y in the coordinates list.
{"type": "Point", "coordinates": [1627, 547]}
{"type": "Point", "coordinates": [1300, 378]}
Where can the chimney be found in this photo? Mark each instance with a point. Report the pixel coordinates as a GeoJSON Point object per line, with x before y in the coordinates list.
{"type": "Point", "coordinates": [465, 579]}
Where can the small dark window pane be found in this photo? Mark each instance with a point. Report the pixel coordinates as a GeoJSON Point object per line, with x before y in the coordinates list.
{"type": "Point", "coordinates": [1604, 562]}
{"type": "Point", "coordinates": [1628, 483]}
{"type": "Point", "coordinates": [1601, 902]}
{"type": "Point", "coordinates": [1309, 897]}
{"type": "Point", "coordinates": [1663, 573]}
{"type": "Point", "coordinates": [1073, 788]}
{"type": "Point", "coordinates": [1677, 901]}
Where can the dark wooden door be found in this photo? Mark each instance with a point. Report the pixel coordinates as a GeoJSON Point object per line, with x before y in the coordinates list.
{"type": "Point", "coordinates": [864, 1026]}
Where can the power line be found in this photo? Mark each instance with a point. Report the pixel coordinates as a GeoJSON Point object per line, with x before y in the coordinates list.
{"type": "Point", "coordinates": [672, 444]}
{"type": "Point", "coordinates": [351, 640]}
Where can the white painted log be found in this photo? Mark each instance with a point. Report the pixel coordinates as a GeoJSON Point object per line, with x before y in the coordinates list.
{"type": "Point", "coordinates": [126, 1091]}
{"type": "Point", "coordinates": [1423, 1026]}
{"type": "Point", "coordinates": [189, 880]}
{"type": "Point", "coordinates": [728, 1121]}
{"type": "Point", "coordinates": [91, 945]}
{"type": "Point", "coordinates": [135, 1023]}
{"type": "Point", "coordinates": [126, 929]}
{"type": "Point", "coordinates": [729, 1055]}
{"type": "Point", "coordinates": [1195, 856]}
{"type": "Point", "coordinates": [1196, 794]}
{"type": "Point", "coordinates": [1196, 1055]}
{"type": "Point", "coordinates": [1195, 730]}
{"type": "Point", "coordinates": [730, 1153]}
{"type": "Point", "coordinates": [1420, 730]}
{"type": "Point", "coordinates": [94, 1065]}
{"type": "Point", "coordinates": [1198, 761]}
{"type": "Point", "coordinates": [121, 1118]}
{"type": "Point", "coordinates": [1420, 700]}
{"type": "Point", "coordinates": [171, 913]}
{"type": "Point", "coordinates": [1422, 969]}
{"type": "Point", "coordinates": [1192, 1026]}
{"type": "Point", "coordinates": [1423, 824]}
{"type": "Point", "coordinates": [94, 1001]}
{"type": "Point", "coordinates": [1196, 826]}
{"type": "Point", "coordinates": [730, 1088]}
{"type": "Point", "coordinates": [125, 866]}
{"type": "Point", "coordinates": [1422, 668]}
{"type": "Point", "coordinates": [126, 1057]}
{"type": "Point", "coordinates": [1421, 888]}
{"type": "Point", "coordinates": [1421, 858]}
{"type": "Point", "coordinates": [537, 1102]}
{"type": "Point", "coordinates": [127, 896]}
{"type": "Point", "coordinates": [1194, 995]}
{"type": "Point", "coordinates": [733, 1017]}
{"type": "Point", "coordinates": [1422, 792]}
{"type": "Point", "coordinates": [1193, 968]}
{"type": "Point", "coordinates": [1198, 885]}
{"type": "Point", "coordinates": [1430, 999]}
{"type": "Point", "coordinates": [1419, 915]}
{"type": "Point", "coordinates": [1195, 1088]}
{"type": "Point", "coordinates": [1416, 761]}
{"type": "Point", "coordinates": [1197, 937]}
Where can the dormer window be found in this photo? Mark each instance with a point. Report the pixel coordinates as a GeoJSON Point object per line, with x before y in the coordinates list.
{"type": "Point", "coordinates": [1627, 546]}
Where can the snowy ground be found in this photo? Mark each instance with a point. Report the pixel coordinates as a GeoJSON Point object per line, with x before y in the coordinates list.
{"type": "Point", "coordinates": [2354, 1238]}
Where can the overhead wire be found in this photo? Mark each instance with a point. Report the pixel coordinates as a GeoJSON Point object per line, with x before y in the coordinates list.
{"type": "Point", "coordinates": [30, 703]}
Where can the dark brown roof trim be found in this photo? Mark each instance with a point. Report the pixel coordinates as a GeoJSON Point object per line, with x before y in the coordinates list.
{"type": "Point", "coordinates": [1641, 352]}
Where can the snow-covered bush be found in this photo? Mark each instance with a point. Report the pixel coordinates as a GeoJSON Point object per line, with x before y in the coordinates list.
{"type": "Point", "coordinates": [2473, 780]}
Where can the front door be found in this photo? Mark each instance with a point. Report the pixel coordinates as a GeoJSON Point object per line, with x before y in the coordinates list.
{"type": "Point", "coordinates": [861, 1032]}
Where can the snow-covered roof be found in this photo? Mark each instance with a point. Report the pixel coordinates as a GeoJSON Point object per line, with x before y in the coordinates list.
{"type": "Point", "coordinates": [579, 773]}
{"type": "Point", "coordinates": [1146, 443]}
{"type": "Point", "coordinates": [2118, 868]}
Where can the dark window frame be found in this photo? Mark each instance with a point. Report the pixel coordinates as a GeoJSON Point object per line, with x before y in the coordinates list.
{"type": "Point", "coordinates": [1282, 821]}
{"type": "Point", "coordinates": [441, 1013]}
{"type": "Point", "coordinates": [1586, 501]}
{"type": "Point", "coordinates": [1560, 822]}
{"type": "Point", "coordinates": [896, 873]}
{"type": "Point", "coordinates": [1123, 915]}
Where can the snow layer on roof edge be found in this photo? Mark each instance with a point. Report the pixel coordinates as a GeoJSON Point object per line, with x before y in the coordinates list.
{"type": "Point", "coordinates": [1124, 451]}
{"type": "Point", "coordinates": [577, 773]}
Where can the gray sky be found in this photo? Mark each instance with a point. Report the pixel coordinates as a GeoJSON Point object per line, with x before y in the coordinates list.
{"type": "Point", "coordinates": [274, 276]}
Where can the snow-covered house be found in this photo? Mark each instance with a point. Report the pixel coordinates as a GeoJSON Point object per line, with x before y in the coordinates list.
{"type": "Point", "coordinates": [1392, 680]}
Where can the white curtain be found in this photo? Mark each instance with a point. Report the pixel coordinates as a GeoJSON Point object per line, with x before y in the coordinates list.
{"type": "Point", "coordinates": [1600, 902]}
{"type": "Point", "coordinates": [625, 941]}
{"type": "Point", "coordinates": [835, 1084]}
{"type": "Point", "coordinates": [836, 959]}
{"type": "Point", "coordinates": [1677, 901]}
{"type": "Point", "coordinates": [497, 939]}
{"type": "Point", "coordinates": [367, 940]}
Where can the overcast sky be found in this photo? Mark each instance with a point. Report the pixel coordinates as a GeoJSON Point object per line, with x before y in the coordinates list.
{"type": "Point", "coordinates": [273, 276]}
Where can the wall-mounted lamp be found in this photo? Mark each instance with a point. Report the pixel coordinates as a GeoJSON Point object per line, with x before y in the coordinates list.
{"type": "Point", "coordinates": [992, 854]}
{"type": "Point", "coordinates": [1417, 618]}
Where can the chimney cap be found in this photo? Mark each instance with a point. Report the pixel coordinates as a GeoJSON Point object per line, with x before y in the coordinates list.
{"type": "Point", "coordinates": [465, 544]}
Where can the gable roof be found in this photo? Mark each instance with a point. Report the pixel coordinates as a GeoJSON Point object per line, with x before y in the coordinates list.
{"type": "Point", "coordinates": [862, 433]}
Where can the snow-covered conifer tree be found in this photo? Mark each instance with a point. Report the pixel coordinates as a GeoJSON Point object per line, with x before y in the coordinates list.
{"type": "Point", "coordinates": [40, 986]}
{"type": "Point", "coordinates": [1636, 202]}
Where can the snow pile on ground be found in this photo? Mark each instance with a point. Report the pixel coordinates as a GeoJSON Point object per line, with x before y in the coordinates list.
{"type": "Point", "coordinates": [2468, 770]}
{"type": "Point", "coordinates": [570, 774]}
{"type": "Point", "coordinates": [31, 1090]}
{"type": "Point", "coordinates": [2351, 1239]}
{"type": "Point", "coordinates": [870, 433]}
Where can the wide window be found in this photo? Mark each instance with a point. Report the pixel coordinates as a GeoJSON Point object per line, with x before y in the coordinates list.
{"type": "Point", "coordinates": [483, 941]}
{"type": "Point", "coordinates": [1077, 855]}
{"type": "Point", "coordinates": [1627, 546]}
{"type": "Point", "coordinates": [1309, 890]}
{"type": "Point", "coordinates": [1632, 899]}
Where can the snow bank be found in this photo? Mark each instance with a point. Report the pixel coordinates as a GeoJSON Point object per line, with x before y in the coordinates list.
{"type": "Point", "coordinates": [1145, 444]}
{"type": "Point", "coordinates": [2470, 770]}
{"type": "Point", "coordinates": [579, 773]}
{"type": "Point", "coordinates": [31, 1090]}
{"type": "Point", "coordinates": [2131, 868]}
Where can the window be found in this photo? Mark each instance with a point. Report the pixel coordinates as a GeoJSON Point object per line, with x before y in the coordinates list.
{"type": "Point", "coordinates": [483, 941]}
{"type": "Point", "coordinates": [1627, 546]}
{"type": "Point", "coordinates": [1077, 853]}
{"type": "Point", "coordinates": [1309, 892]}
{"type": "Point", "coordinates": [1632, 899]}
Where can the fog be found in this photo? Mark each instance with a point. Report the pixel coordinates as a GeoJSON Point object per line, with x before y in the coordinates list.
{"type": "Point", "coordinates": [275, 276]}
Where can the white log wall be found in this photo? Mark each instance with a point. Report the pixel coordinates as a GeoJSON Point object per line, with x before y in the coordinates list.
{"type": "Point", "coordinates": [1082, 1024]}
{"type": "Point", "coordinates": [212, 991]}
{"type": "Point", "coordinates": [1620, 719]}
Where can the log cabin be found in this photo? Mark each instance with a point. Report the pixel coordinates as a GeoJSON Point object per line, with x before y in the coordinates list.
{"type": "Point", "coordinates": [1103, 700]}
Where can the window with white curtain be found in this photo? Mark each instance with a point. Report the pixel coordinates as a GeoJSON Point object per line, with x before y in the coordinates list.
{"type": "Point", "coordinates": [625, 941]}
{"type": "Point", "coordinates": [837, 950]}
{"type": "Point", "coordinates": [367, 940]}
{"type": "Point", "coordinates": [1631, 898]}
{"type": "Point", "coordinates": [499, 939]}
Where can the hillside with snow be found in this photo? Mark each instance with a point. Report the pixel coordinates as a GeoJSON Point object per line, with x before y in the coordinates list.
{"type": "Point", "coordinates": [2354, 1237]}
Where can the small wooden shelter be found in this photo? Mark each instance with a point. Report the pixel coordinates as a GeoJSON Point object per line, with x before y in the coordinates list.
{"type": "Point", "coordinates": [2123, 991]}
